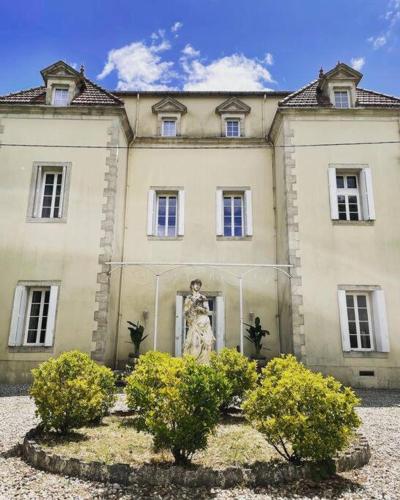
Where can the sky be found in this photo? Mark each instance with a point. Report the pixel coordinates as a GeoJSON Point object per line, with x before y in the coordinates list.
{"type": "Point", "coordinates": [200, 44]}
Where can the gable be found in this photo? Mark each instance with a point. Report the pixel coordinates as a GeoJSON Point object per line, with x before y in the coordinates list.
{"type": "Point", "coordinates": [233, 105]}
{"type": "Point", "coordinates": [169, 105]}
{"type": "Point", "coordinates": [59, 69]}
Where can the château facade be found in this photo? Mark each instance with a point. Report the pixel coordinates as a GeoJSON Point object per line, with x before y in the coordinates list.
{"type": "Point", "coordinates": [280, 202]}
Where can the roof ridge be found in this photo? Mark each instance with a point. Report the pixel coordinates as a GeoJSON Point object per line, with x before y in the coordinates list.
{"type": "Point", "coordinates": [379, 93]}
{"type": "Point", "coordinates": [298, 91]}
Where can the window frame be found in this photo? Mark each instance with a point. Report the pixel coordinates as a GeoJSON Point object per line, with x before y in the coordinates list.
{"type": "Point", "coordinates": [342, 91]}
{"type": "Point", "coordinates": [347, 192]}
{"type": "Point", "coordinates": [232, 196]}
{"type": "Point", "coordinates": [36, 191]}
{"type": "Point", "coordinates": [246, 193]}
{"type": "Point", "coordinates": [368, 300]}
{"type": "Point", "coordinates": [168, 119]}
{"type": "Point", "coordinates": [238, 121]}
{"type": "Point", "coordinates": [28, 316]}
{"type": "Point", "coordinates": [168, 195]}
{"type": "Point", "coordinates": [65, 91]}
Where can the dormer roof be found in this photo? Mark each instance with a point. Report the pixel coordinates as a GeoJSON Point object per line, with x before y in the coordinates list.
{"type": "Point", "coordinates": [341, 72]}
{"type": "Point", "coordinates": [169, 105]}
{"type": "Point", "coordinates": [61, 69]}
{"type": "Point", "coordinates": [233, 105]}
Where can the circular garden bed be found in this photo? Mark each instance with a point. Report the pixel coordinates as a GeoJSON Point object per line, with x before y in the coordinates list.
{"type": "Point", "coordinates": [236, 454]}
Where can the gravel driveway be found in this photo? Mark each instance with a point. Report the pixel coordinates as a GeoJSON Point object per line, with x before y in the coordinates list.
{"type": "Point", "coordinates": [380, 413]}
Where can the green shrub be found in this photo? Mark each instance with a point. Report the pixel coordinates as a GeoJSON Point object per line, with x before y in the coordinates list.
{"type": "Point", "coordinates": [177, 401]}
{"type": "Point", "coordinates": [301, 413]}
{"type": "Point", "coordinates": [239, 371]}
{"type": "Point", "coordinates": [71, 391]}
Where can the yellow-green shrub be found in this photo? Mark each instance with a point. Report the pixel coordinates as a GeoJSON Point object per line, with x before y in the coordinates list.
{"type": "Point", "coordinates": [301, 413]}
{"type": "Point", "coordinates": [177, 401]}
{"type": "Point", "coordinates": [71, 391]}
{"type": "Point", "coordinates": [240, 372]}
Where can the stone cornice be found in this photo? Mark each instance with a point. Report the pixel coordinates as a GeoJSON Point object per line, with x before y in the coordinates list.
{"type": "Point", "coordinates": [157, 141]}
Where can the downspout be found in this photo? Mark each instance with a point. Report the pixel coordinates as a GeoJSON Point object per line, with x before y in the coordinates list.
{"type": "Point", "coordinates": [130, 146]}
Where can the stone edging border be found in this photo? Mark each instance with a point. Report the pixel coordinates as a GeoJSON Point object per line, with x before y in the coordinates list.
{"type": "Point", "coordinates": [258, 474]}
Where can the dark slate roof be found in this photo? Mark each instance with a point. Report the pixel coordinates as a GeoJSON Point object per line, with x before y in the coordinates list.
{"type": "Point", "coordinates": [309, 96]}
{"type": "Point", "coordinates": [89, 95]}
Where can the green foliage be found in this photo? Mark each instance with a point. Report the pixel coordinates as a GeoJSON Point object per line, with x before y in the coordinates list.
{"type": "Point", "coordinates": [71, 391]}
{"type": "Point", "coordinates": [239, 371]}
{"type": "Point", "coordinates": [136, 331]}
{"type": "Point", "coordinates": [177, 401]}
{"type": "Point", "coordinates": [301, 413]}
{"type": "Point", "coordinates": [256, 334]}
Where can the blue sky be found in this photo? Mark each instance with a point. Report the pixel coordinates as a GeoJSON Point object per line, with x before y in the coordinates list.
{"type": "Point", "coordinates": [202, 44]}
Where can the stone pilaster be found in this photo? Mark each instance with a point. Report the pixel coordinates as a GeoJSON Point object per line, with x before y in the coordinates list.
{"type": "Point", "coordinates": [292, 214]}
{"type": "Point", "coordinates": [101, 332]}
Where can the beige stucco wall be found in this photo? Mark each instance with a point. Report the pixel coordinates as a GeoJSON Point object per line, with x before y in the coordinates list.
{"type": "Point", "coordinates": [67, 252]}
{"type": "Point", "coordinates": [199, 172]}
{"type": "Point", "coordinates": [332, 254]}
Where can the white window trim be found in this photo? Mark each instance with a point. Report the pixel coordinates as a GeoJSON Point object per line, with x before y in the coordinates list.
{"type": "Point", "coordinates": [233, 116]}
{"type": "Point", "coordinates": [247, 211]}
{"type": "Point", "coordinates": [232, 119]}
{"type": "Point", "coordinates": [168, 119]}
{"type": "Point", "coordinates": [20, 310]}
{"type": "Point", "coordinates": [169, 116]}
{"type": "Point", "coordinates": [377, 317]}
{"type": "Point", "coordinates": [27, 316]}
{"type": "Point", "coordinates": [342, 90]}
{"type": "Point", "coordinates": [365, 189]}
{"type": "Point", "coordinates": [367, 295]}
{"type": "Point", "coordinates": [39, 169]}
{"type": "Point", "coordinates": [53, 97]}
{"type": "Point", "coordinates": [346, 192]}
{"type": "Point", "coordinates": [152, 211]}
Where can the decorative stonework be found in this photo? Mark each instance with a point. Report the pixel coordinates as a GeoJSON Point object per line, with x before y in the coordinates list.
{"type": "Point", "coordinates": [258, 474]}
{"type": "Point", "coordinates": [292, 214]}
{"type": "Point", "coordinates": [100, 334]}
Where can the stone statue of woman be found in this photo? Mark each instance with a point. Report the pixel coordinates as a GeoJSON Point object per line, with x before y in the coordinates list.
{"type": "Point", "coordinates": [199, 340]}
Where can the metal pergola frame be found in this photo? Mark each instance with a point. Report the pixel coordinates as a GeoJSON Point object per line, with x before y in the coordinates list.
{"type": "Point", "coordinates": [176, 265]}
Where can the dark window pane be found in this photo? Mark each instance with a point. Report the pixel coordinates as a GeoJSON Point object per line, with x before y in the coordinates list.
{"type": "Point", "coordinates": [353, 199]}
{"type": "Point", "coordinates": [48, 190]}
{"type": "Point", "coordinates": [341, 199]}
{"type": "Point", "coordinates": [31, 339]}
{"type": "Point", "coordinates": [35, 309]}
{"type": "Point", "coordinates": [364, 327]}
{"type": "Point", "coordinates": [365, 342]}
{"type": "Point", "coordinates": [350, 300]}
{"type": "Point", "coordinates": [227, 231]}
{"type": "Point", "coordinates": [33, 322]}
{"type": "Point", "coordinates": [47, 296]}
{"type": "Point", "coordinates": [49, 178]}
{"type": "Point", "coordinates": [353, 216]}
{"type": "Point", "coordinates": [361, 301]}
{"type": "Point", "coordinates": [352, 328]}
{"type": "Point", "coordinates": [350, 314]}
{"type": "Point", "coordinates": [36, 296]}
{"type": "Point", "coordinates": [353, 341]}
{"type": "Point", "coordinates": [42, 336]}
{"type": "Point", "coordinates": [363, 314]}
{"type": "Point", "coordinates": [342, 216]}
{"type": "Point", "coordinates": [339, 181]}
{"type": "Point", "coordinates": [351, 182]}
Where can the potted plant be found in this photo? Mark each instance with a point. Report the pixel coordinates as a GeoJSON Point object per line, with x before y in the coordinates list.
{"type": "Point", "coordinates": [256, 334]}
{"type": "Point", "coordinates": [136, 331]}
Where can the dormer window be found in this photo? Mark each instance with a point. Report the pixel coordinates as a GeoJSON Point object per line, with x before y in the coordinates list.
{"type": "Point", "coordinates": [232, 127]}
{"type": "Point", "coordinates": [60, 96]}
{"type": "Point", "coordinates": [168, 127]}
{"type": "Point", "coordinates": [342, 99]}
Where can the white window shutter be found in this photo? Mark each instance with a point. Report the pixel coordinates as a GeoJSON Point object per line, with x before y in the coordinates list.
{"type": "Point", "coordinates": [367, 194]}
{"type": "Point", "coordinates": [220, 323]}
{"type": "Point", "coordinates": [151, 205]}
{"type": "Point", "coordinates": [249, 212]}
{"type": "Point", "coordinates": [333, 193]}
{"type": "Point", "coordinates": [178, 325]}
{"type": "Point", "coordinates": [18, 316]}
{"type": "Point", "coordinates": [380, 321]}
{"type": "Point", "coordinates": [344, 324]}
{"type": "Point", "coordinates": [181, 212]}
{"type": "Point", "coordinates": [219, 212]}
{"type": "Point", "coordinates": [51, 318]}
{"type": "Point", "coordinates": [38, 193]}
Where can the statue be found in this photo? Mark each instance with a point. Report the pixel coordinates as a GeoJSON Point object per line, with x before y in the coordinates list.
{"type": "Point", "coordinates": [200, 339]}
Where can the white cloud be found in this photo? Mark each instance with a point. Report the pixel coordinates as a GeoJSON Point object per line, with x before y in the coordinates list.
{"type": "Point", "coordinates": [377, 41]}
{"type": "Point", "coordinates": [392, 17]}
{"type": "Point", "coordinates": [269, 59]}
{"type": "Point", "coordinates": [176, 26]}
{"type": "Point", "coordinates": [140, 66]}
{"type": "Point", "coordinates": [357, 63]}
{"type": "Point", "coordinates": [235, 72]}
{"type": "Point", "coordinates": [189, 51]}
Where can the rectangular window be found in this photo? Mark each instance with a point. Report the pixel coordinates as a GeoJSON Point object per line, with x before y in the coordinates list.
{"type": "Point", "coordinates": [166, 214]}
{"type": "Point", "coordinates": [33, 314]}
{"type": "Point", "coordinates": [168, 128]}
{"type": "Point", "coordinates": [342, 99]}
{"type": "Point", "coordinates": [348, 196]}
{"type": "Point", "coordinates": [359, 321]}
{"type": "Point", "coordinates": [36, 317]}
{"type": "Point", "coordinates": [232, 128]}
{"type": "Point", "coordinates": [51, 194]}
{"type": "Point", "coordinates": [60, 97]}
{"type": "Point", "coordinates": [233, 215]}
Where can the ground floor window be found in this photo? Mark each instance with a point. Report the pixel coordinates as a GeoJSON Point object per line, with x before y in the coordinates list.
{"type": "Point", "coordinates": [37, 315]}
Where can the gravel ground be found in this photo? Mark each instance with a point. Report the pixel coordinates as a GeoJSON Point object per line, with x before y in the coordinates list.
{"type": "Point", "coordinates": [380, 479]}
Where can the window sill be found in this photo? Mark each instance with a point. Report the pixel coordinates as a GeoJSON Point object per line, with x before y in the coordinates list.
{"type": "Point", "coordinates": [26, 348]}
{"type": "Point", "coordinates": [234, 238]}
{"type": "Point", "coordinates": [47, 220]}
{"type": "Point", "coordinates": [353, 222]}
{"type": "Point", "coordinates": [366, 354]}
{"type": "Point", "coordinates": [165, 238]}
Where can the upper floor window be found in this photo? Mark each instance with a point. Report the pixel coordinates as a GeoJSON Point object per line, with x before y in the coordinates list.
{"type": "Point", "coordinates": [33, 314]}
{"type": "Point", "coordinates": [168, 127]}
{"type": "Point", "coordinates": [60, 96]}
{"type": "Point", "coordinates": [51, 194]}
{"type": "Point", "coordinates": [342, 99]}
{"type": "Point", "coordinates": [234, 214]}
{"type": "Point", "coordinates": [232, 127]}
{"type": "Point", "coordinates": [165, 217]}
{"type": "Point", "coordinates": [351, 194]}
{"type": "Point", "coordinates": [359, 321]}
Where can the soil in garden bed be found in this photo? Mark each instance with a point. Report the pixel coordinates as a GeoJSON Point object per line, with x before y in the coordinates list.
{"type": "Point", "coordinates": [233, 443]}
